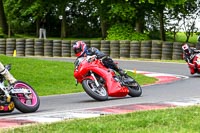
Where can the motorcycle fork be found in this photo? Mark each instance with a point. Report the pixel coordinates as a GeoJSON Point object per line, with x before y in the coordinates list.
{"type": "Point", "coordinates": [95, 80]}
{"type": "Point", "coordinates": [5, 90]}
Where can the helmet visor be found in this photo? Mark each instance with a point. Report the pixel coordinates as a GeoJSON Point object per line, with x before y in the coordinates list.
{"type": "Point", "coordinates": [77, 50]}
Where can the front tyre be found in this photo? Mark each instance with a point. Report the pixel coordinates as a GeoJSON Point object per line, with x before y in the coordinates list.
{"type": "Point", "coordinates": [135, 90]}
{"type": "Point", "coordinates": [98, 93]}
{"type": "Point", "coordinates": [26, 103]}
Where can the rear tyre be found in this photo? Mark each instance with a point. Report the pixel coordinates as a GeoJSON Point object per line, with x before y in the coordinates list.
{"type": "Point", "coordinates": [97, 93]}
{"type": "Point", "coordinates": [26, 103]}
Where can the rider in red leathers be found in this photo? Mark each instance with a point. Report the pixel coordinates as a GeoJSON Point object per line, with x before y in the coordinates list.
{"type": "Point", "coordinates": [81, 50]}
{"type": "Point", "coordinates": [189, 54]}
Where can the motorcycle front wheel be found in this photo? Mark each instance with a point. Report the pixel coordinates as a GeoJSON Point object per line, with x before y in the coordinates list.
{"type": "Point", "coordinates": [26, 103]}
{"type": "Point", "coordinates": [135, 89]}
{"type": "Point", "coordinates": [98, 93]}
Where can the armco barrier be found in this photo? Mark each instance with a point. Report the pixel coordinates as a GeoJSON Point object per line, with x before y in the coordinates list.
{"type": "Point", "coordinates": [152, 49]}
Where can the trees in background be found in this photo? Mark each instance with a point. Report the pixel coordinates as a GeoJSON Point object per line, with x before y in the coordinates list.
{"type": "Point", "coordinates": [3, 21]}
{"type": "Point", "coordinates": [98, 18]}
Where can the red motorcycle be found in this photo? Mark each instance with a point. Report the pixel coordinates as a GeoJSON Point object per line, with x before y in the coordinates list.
{"type": "Point", "coordinates": [192, 57]}
{"type": "Point", "coordinates": [100, 82]}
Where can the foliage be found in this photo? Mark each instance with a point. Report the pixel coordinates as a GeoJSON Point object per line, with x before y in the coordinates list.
{"type": "Point", "coordinates": [124, 32]}
{"type": "Point", "coordinates": [123, 11]}
{"type": "Point", "coordinates": [91, 18]}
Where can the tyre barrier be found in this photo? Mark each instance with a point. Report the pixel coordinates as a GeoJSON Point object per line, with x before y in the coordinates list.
{"type": "Point", "coordinates": [146, 49]}
{"type": "Point", "coordinates": [57, 48]}
{"type": "Point", "coordinates": [95, 43]}
{"type": "Point", "coordinates": [10, 46]}
{"type": "Point", "coordinates": [48, 48]}
{"type": "Point", "coordinates": [167, 50]}
{"type": "Point", "coordinates": [3, 46]}
{"type": "Point", "coordinates": [156, 49]}
{"type": "Point", "coordinates": [152, 49]}
{"type": "Point", "coordinates": [66, 49]}
{"type": "Point", "coordinates": [177, 51]}
{"type": "Point", "coordinates": [105, 47]}
{"type": "Point", "coordinates": [124, 49]}
{"type": "Point", "coordinates": [20, 47]}
{"type": "Point", "coordinates": [29, 47]}
{"type": "Point", "coordinates": [135, 49]}
{"type": "Point", "coordinates": [114, 49]}
{"type": "Point", "coordinates": [39, 47]}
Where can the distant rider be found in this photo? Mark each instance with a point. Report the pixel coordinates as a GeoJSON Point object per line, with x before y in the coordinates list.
{"type": "Point", "coordinates": [189, 54]}
{"type": "Point", "coordinates": [81, 50]}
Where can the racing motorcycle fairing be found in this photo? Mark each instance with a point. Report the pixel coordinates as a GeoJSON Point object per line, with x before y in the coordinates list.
{"type": "Point", "coordinates": [113, 86]}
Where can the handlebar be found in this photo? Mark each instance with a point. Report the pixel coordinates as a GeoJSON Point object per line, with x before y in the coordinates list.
{"type": "Point", "coordinates": [91, 58]}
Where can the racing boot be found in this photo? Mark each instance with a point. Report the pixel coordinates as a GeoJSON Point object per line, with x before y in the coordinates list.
{"type": "Point", "coordinates": [8, 76]}
{"type": "Point", "coordinates": [192, 68]}
{"type": "Point", "coordinates": [121, 72]}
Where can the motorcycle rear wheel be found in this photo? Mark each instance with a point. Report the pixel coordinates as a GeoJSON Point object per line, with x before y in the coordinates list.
{"type": "Point", "coordinates": [22, 103]}
{"type": "Point", "coordinates": [99, 94]}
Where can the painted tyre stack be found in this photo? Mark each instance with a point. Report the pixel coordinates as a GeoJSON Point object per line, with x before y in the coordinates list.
{"type": "Point", "coordinates": [48, 48]}
{"type": "Point", "coordinates": [135, 49]}
{"type": "Point", "coordinates": [124, 49]}
{"type": "Point", "coordinates": [39, 47]}
{"type": "Point", "coordinates": [114, 49]}
{"type": "Point", "coordinates": [167, 49]}
{"type": "Point", "coordinates": [105, 47]}
{"type": "Point", "coordinates": [20, 47]}
{"type": "Point", "coordinates": [177, 51]}
{"type": "Point", "coordinates": [146, 49]}
{"type": "Point", "coordinates": [66, 50]}
{"type": "Point", "coordinates": [56, 48]}
{"type": "Point", "coordinates": [29, 47]}
{"type": "Point", "coordinates": [10, 46]}
{"type": "Point", "coordinates": [156, 50]}
{"type": "Point", "coordinates": [3, 46]}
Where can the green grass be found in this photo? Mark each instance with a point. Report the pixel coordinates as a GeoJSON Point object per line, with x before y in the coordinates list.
{"type": "Point", "coordinates": [181, 37]}
{"type": "Point", "coordinates": [171, 120]}
{"type": "Point", "coordinates": [52, 77]}
{"type": "Point", "coordinates": [56, 77]}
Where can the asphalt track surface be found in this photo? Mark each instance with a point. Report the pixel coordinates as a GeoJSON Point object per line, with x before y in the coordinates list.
{"type": "Point", "coordinates": [179, 92]}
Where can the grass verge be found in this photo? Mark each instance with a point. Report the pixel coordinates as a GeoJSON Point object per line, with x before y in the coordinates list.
{"type": "Point", "coordinates": [171, 120]}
